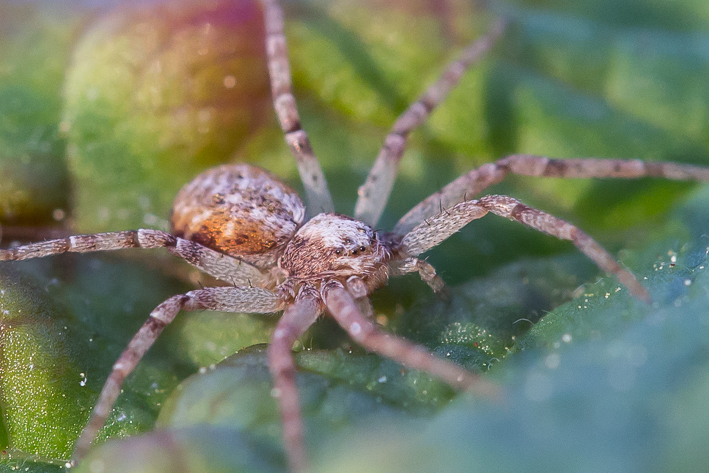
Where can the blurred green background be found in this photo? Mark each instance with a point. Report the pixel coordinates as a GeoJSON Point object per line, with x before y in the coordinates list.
{"type": "Point", "coordinates": [106, 110]}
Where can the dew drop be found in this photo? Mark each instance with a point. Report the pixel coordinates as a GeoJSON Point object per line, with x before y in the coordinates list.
{"type": "Point", "coordinates": [552, 361]}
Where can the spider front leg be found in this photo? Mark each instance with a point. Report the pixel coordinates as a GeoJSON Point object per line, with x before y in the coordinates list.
{"type": "Point", "coordinates": [296, 319]}
{"type": "Point", "coordinates": [477, 180]}
{"type": "Point", "coordinates": [374, 193]}
{"type": "Point", "coordinates": [227, 299]}
{"type": "Point", "coordinates": [438, 228]}
{"type": "Point", "coordinates": [364, 332]}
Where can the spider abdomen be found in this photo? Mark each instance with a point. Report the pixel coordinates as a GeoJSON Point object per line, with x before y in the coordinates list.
{"type": "Point", "coordinates": [240, 210]}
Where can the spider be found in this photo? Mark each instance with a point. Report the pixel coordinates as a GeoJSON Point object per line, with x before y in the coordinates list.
{"type": "Point", "coordinates": [242, 225]}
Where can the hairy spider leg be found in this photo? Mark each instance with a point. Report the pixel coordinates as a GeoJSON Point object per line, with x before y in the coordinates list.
{"type": "Point", "coordinates": [225, 299]}
{"type": "Point", "coordinates": [364, 332]}
{"type": "Point", "coordinates": [374, 193]}
{"type": "Point", "coordinates": [296, 319]}
{"type": "Point", "coordinates": [476, 180]}
{"type": "Point", "coordinates": [216, 264]}
{"type": "Point", "coordinates": [439, 227]}
{"type": "Point", "coordinates": [317, 193]}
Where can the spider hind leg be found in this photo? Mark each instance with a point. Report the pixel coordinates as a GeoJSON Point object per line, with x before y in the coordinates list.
{"type": "Point", "coordinates": [227, 299]}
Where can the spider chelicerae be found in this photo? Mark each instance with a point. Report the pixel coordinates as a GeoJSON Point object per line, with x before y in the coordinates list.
{"type": "Point", "coordinates": [240, 224]}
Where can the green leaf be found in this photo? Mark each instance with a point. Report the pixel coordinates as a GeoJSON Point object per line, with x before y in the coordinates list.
{"type": "Point", "coordinates": [35, 46]}
{"type": "Point", "coordinates": [43, 383]}
{"type": "Point", "coordinates": [603, 382]}
{"type": "Point", "coordinates": [600, 382]}
{"type": "Point", "coordinates": [156, 94]}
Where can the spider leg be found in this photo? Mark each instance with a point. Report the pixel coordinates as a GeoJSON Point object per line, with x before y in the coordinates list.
{"type": "Point", "coordinates": [292, 325]}
{"type": "Point", "coordinates": [228, 299]}
{"type": "Point", "coordinates": [363, 331]}
{"type": "Point", "coordinates": [318, 195]}
{"type": "Point", "coordinates": [440, 227]}
{"type": "Point", "coordinates": [374, 193]}
{"type": "Point", "coordinates": [486, 175]}
{"type": "Point", "coordinates": [226, 268]}
{"type": "Point", "coordinates": [211, 262]}
{"type": "Point", "coordinates": [89, 243]}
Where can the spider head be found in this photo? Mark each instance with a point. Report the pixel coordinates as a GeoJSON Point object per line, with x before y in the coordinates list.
{"type": "Point", "coordinates": [334, 246]}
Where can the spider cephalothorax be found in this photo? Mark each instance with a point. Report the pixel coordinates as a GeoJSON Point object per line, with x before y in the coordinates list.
{"type": "Point", "coordinates": [337, 247]}
{"type": "Point", "coordinates": [242, 225]}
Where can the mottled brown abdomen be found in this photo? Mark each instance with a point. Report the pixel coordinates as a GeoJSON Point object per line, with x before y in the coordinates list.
{"type": "Point", "coordinates": [240, 210]}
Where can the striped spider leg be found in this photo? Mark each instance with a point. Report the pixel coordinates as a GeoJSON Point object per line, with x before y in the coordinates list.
{"type": "Point", "coordinates": [477, 180]}
{"type": "Point", "coordinates": [311, 174]}
{"type": "Point", "coordinates": [374, 193]}
{"type": "Point", "coordinates": [240, 224]}
{"type": "Point", "coordinates": [243, 226]}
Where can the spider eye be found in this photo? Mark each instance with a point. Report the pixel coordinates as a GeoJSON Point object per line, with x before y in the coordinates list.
{"type": "Point", "coordinates": [362, 248]}
{"type": "Point", "coordinates": [338, 251]}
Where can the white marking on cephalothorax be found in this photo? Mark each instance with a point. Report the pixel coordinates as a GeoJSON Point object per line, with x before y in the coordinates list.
{"type": "Point", "coordinates": [336, 231]}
